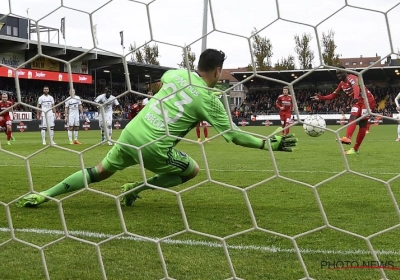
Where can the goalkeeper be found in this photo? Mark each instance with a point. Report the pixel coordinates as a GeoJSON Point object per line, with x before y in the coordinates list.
{"type": "Point", "coordinates": [182, 109]}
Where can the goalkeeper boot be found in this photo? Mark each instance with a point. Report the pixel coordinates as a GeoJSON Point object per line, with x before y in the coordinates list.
{"type": "Point", "coordinates": [129, 199]}
{"type": "Point", "coordinates": [31, 200]}
{"type": "Point", "coordinates": [8, 143]}
{"type": "Point", "coordinates": [345, 140]}
{"type": "Point", "coordinates": [351, 152]}
{"type": "Point", "coordinates": [12, 138]}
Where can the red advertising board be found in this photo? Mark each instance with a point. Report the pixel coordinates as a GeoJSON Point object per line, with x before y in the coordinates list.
{"type": "Point", "coordinates": [45, 75]}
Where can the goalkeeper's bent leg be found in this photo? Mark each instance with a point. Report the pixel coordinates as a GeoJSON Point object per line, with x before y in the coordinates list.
{"type": "Point", "coordinates": [76, 181]}
{"type": "Point", "coordinates": [172, 177]}
{"type": "Point", "coordinates": [163, 181]}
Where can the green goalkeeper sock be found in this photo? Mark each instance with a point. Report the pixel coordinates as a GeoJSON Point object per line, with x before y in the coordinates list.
{"type": "Point", "coordinates": [162, 181]}
{"type": "Point", "coordinates": [73, 182]}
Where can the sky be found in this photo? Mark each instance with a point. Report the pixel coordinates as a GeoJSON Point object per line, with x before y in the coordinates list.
{"type": "Point", "coordinates": [173, 24]}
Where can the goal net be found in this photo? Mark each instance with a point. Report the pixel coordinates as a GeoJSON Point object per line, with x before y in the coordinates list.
{"type": "Point", "coordinates": [315, 213]}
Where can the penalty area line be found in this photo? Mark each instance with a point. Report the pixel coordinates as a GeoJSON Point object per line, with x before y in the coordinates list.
{"type": "Point", "coordinates": [225, 170]}
{"type": "Point", "coordinates": [188, 242]}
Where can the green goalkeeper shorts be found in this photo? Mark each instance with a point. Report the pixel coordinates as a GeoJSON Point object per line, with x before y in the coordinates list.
{"type": "Point", "coordinates": [170, 161]}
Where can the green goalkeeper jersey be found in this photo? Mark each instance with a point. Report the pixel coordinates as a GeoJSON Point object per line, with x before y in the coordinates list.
{"type": "Point", "coordinates": [184, 104]}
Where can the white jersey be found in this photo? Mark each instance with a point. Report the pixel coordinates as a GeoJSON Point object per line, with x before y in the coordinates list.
{"type": "Point", "coordinates": [108, 109]}
{"type": "Point", "coordinates": [46, 102]}
{"type": "Point", "coordinates": [397, 100]}
{"type": "Point", "coordinates": [73, 105]}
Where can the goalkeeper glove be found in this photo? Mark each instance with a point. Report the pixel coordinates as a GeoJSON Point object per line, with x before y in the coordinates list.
{"type": "Point", "coordinates": [284, 143]}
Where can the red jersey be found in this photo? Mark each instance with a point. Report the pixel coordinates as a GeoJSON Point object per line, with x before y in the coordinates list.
{"type": "Point", "coordinates": [134, 110]}
{"type": "Point", "coordinates": [284, 101]}
{"type": "Point", "coordinates": [5, 106]}
{"type": "Point", "coordinates": [351, 88]}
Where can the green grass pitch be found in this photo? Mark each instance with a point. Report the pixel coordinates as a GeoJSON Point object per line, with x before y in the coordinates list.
{"type": "Point", "coordinates": [287, 206]}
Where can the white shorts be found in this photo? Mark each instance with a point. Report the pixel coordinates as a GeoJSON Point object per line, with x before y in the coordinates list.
{"type": "Point", "coordinates": [73, 120]}
{"type": "Point", "coordinates": [108, 119]}
{"type": "Point", "coordinates": [50, 118]}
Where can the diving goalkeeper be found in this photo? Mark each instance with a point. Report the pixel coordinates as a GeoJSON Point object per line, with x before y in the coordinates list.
{"type": "Point", "coordinates": [183, 110]}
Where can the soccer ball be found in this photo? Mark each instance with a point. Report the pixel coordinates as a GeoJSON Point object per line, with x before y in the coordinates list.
{"type": "Point", "coordinates": [314, 125]}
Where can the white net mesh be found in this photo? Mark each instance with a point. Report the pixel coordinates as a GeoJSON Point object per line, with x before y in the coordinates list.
{"type": "Point", "coordinates": [257, 242]}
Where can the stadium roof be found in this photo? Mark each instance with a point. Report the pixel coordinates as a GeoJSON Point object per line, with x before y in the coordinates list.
{"type": "Point", "coordinates": [100, 61]}
{"type": "Point", "coordinates": [387, 73]}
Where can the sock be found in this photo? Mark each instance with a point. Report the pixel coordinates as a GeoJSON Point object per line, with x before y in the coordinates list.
{"type": "Point", "coordinates": [73, 182]}
{"type": "Point", "coordinates": [205, 132]}
{"type": "Point", "coordinates": [198, 132]}
{"type": "Point", "coordinates": [43, 133]}
{"type": "Point", "coordinates": [360, 137]}
{"type": "Point", "coordinates": [163, 181]}
{"type": "Point", "coordinates": [109, 132]}
{"type": "Point", "coordinates": [76, 134]}
{"type": "Point", "coordinates": [51, 134]}
{"type": "Point", "coordinates": [398, 130]}
{"type": "Point", "coordinates": [8, 135]}
{"type": "Point", "coordinates": [286, 128]}
{"type": "Point", "coordinates": [69, 135]}
{"type": "Point", "coordinates": [102, 133]}
{"type": "Point", "coordinates": [350, 129]}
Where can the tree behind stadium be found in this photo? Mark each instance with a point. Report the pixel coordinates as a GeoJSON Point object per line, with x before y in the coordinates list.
{"type": "Point", "coordinates": [328, 54]}
{"type": "Point", "coordinates": [191, 59]}
{"type": "Point", "coordinates": [262, 52]}
{"type": "Point", "coordinates": [147, 55]}
{"type": "Point", "coordinates": [304, 53]}
{"type": "Point", "coordinates": [285, 63]}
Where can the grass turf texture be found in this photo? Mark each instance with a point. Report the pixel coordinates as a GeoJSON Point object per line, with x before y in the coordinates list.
{"type": "Point", "coordinates": [351, 202]}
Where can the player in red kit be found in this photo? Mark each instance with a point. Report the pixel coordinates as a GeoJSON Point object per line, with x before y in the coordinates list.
{"type": "Point", "coordinates": [3, 125]}
{"type": "Point", "coordinates": [350, 86]}
{"type": "Point", "coordinates": [205, 131]}
{"type": "Point", "coordinates": [6, 113]}
{"type": "Point", "coordinates": [285, 106]}
{"type": "Point", "coordinates": [136, 108]}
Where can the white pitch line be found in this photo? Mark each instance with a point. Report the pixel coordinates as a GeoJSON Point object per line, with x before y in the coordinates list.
{"type": "Point", "coordinates": [224, 170]}
{"type": "Point", "coordinates": [268, 249]}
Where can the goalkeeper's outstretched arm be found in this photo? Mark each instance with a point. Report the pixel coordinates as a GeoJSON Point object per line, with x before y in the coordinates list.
{"type": "Point", "coordinates": [278, 143]}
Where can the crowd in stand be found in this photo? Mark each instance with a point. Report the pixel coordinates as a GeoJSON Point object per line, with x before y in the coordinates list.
{"type": "Point", "coordinates": [259, 100]}
{"type": "Point", "coordinates": [262, 101]}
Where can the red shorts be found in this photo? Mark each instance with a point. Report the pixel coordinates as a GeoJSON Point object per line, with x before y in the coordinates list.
{"type": "Point", "coordinates": [359, 109]}
{"type": "Point", "coordinates": [7, 118]}
{"type": "Point", "coordinates": [285, 116]}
